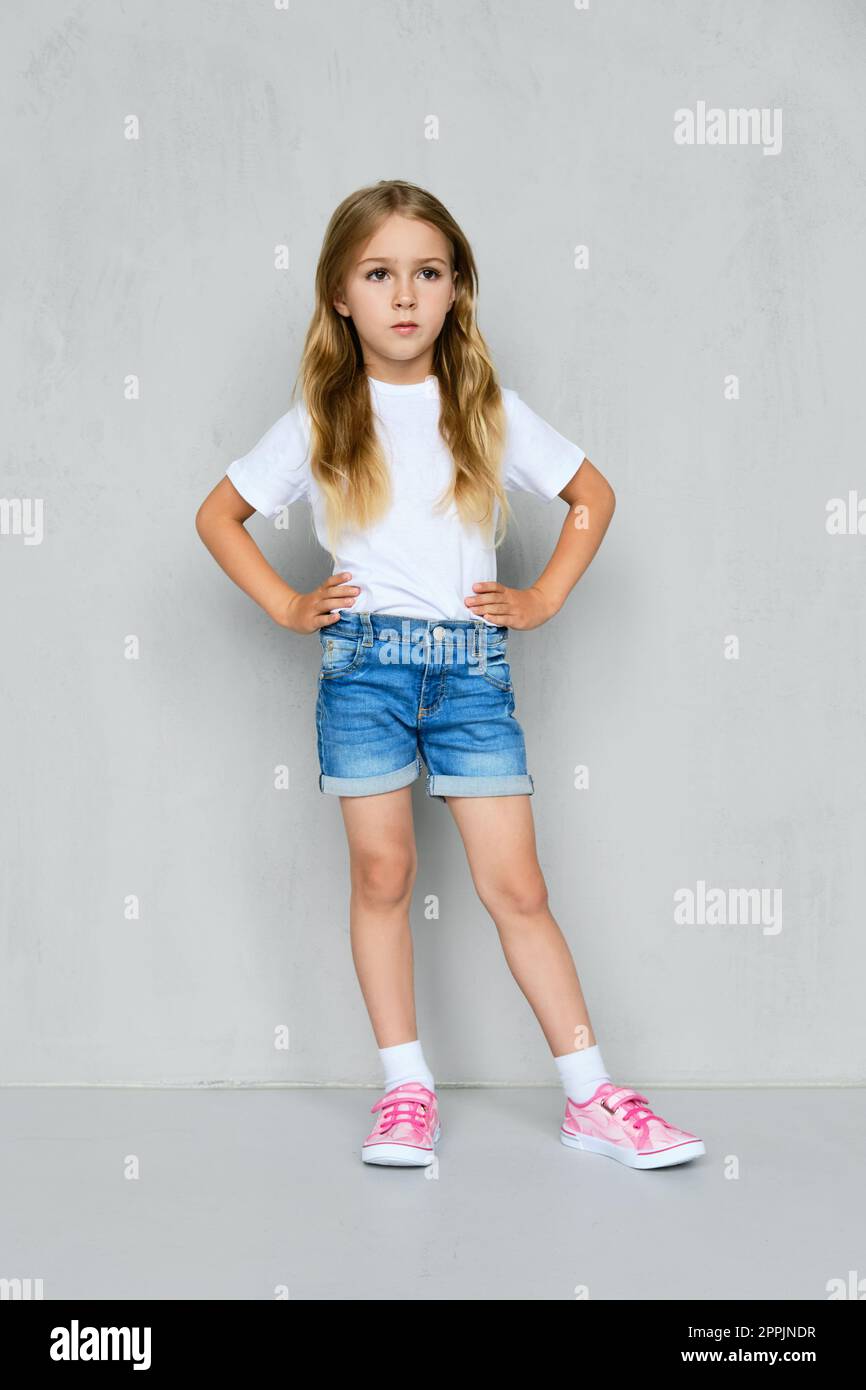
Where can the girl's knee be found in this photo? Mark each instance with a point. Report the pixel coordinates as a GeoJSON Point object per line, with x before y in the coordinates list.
{"type": "Point", "coordinates": [384, 878]}
{"type": "Point", "coordinates": [515, 894]}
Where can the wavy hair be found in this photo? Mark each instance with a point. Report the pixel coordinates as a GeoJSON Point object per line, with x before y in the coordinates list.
{"type": "Point", "coordinates": [346, 458]}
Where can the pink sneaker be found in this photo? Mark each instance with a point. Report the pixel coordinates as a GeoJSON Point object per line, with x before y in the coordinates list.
{"type": "Point", "coordinates": [407, 1127]}
{"type": "Point", "coordinates": [617, 1121]}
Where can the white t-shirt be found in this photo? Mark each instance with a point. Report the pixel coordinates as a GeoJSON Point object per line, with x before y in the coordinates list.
{"type": "Point", "coordinates": [415, 562]}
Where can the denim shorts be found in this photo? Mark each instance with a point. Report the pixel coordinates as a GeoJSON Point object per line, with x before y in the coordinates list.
{"type": "Point", "coordinates": [392, 688]}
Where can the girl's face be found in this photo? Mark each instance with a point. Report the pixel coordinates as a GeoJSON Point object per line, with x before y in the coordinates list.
{"type": "Point", "coordinates": [401, 275]}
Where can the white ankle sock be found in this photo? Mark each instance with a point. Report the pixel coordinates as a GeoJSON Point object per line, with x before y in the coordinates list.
{"type": "Point", "coordinates": [581, 1073]}
{"type": "Point", "coordinates": [405, 1062]}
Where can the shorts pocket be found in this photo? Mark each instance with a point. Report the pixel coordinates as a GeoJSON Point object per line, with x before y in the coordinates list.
{"type": "Point", "coordinates": [493, 665]}
{"type": "Point", "coordinates": [339, 654]}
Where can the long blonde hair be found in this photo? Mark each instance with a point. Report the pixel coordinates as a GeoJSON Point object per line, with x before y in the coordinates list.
{"type": "Point", "coordinates": [346, 458]}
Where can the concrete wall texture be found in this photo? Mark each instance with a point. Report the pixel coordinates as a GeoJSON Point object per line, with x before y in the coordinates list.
{"type": "Point", "coordinates": [673, 283]}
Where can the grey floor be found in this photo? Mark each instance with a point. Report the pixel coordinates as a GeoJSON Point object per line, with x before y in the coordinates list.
{"type": "Point", "coordinates": [241, 1193]}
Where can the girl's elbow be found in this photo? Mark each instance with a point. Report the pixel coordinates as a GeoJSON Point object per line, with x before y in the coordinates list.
{"type": "Point", "coordinates": [606, 497]}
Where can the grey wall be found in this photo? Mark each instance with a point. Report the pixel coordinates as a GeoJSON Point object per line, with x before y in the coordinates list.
{"type": "Point", "coordinates": [148, 704]}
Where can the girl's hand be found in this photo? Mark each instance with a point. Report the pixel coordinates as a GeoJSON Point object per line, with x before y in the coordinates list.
{"type": "Point", "coordinates": [520, 608]}
{"type": "Point", "coordinates": [309, 612]}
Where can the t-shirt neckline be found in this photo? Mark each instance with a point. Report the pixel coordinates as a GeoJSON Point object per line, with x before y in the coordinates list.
{"type": "Point", "coordinates": [391, 388]}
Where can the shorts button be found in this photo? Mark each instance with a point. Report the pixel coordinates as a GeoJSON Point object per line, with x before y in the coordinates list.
{"type": "Point", "coordinates": [438, 633]}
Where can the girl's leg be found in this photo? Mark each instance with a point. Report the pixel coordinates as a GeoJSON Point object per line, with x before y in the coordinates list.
{"type": "Point", "coordinates": [499, 837]}
{"type": "Point", "coordinates": [383, 863]}
{"type": "Point", "coordinates": [498, 834]}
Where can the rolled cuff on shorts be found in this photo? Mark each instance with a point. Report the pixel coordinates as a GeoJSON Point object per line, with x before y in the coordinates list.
{"type": "Point", "coordinates": [371, 786]}
{"type": "Point", "coordinates": [512, 784]}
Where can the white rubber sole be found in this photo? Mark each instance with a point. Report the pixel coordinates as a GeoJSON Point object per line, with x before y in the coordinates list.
{"type": "Point", "coordinates": [399, 1155]}
{"type": "Point", "coordinates": [663, 1158]}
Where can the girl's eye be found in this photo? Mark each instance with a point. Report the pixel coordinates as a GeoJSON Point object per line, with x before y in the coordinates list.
{"type": "Point", "coordinates": [382, 270]}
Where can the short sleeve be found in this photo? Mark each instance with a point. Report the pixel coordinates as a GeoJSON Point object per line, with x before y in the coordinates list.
{"type": "Point", "coordinates": [537, 458]}
{"type": "Point", "coordinates": [275, 472]}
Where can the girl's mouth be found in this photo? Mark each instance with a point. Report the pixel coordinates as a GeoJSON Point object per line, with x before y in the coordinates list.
{"type": "Point", "coordinates": [404, 328]}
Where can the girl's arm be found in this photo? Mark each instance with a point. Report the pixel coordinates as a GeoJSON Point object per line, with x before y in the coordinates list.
{"type": "Point", "coordinates": [591, 503]}
{"type": "Point", "coordinates": [220, 522]}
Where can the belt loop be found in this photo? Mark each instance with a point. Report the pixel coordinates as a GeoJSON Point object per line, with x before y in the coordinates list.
{"type": "Point", "coordinates": [366, 621]}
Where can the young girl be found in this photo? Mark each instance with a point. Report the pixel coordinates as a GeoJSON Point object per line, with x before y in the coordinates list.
{"type": "Point", "coordinates": [405, 446]}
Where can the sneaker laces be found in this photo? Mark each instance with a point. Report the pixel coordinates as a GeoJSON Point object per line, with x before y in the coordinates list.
{"type": "Point", "coordinates": [635, 1109]}
{"type": "Point", "coordinates": [402, 1110]}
